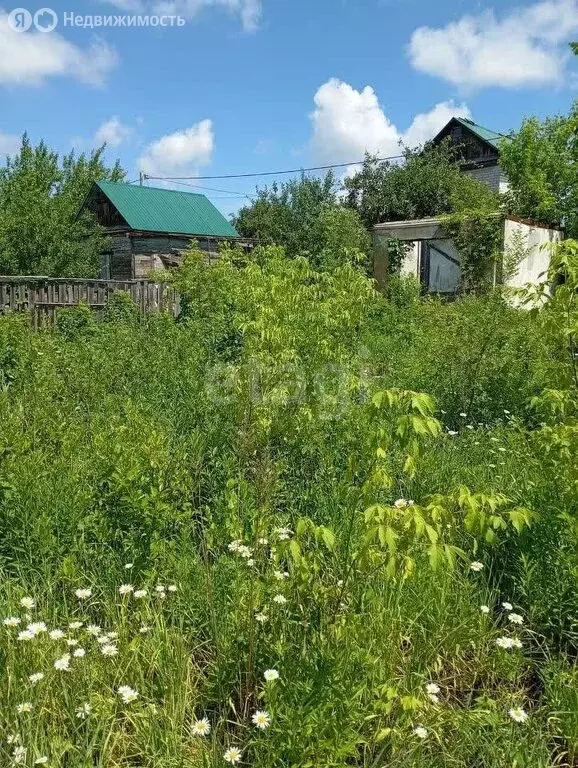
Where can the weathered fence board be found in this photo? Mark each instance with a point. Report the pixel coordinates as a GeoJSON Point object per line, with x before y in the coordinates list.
{"type": "Point", "coordinates": [43, 296]}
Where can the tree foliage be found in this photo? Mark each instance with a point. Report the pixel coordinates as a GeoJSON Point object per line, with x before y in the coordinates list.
{"type": "Point", "coordinates": [40, 196]}
{"type": "Point", "coordinates": [541, 164]}
{"type": "Point", "coordinates": [428, 183]}
{"type": "Point", "coordinates": [306, 217]}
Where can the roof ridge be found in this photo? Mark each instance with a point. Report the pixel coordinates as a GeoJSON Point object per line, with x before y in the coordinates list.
{"type": "Point", "coordinates": [152, 189]}
{"type": "Point", "coordinates": [468, 121]}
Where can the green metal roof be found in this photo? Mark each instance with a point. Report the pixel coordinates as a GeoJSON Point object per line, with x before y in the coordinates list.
{"type": "Point", "coordinates": [167, 210]}
{"type": "Point", "coordinates": [491, 137]}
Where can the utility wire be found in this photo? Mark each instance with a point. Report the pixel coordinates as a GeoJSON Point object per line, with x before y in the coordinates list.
{"type": "Point", "coordinates": [211, 189]}
{"type": "Point", "coordinates": [269, 173]}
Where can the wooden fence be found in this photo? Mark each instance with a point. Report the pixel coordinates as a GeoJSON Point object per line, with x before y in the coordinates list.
{"type": "Point", "coordinates": [43, 296]}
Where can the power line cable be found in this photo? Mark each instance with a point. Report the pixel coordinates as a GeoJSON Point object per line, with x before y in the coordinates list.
{"type": "Point", "coordinates": [269, 173]}
{"type": "Point", "coordinates": [212, 189]}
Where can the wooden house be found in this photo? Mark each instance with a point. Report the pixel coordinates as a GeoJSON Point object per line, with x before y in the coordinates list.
{"type": "Point", "coordinates": [151, 228]}
{"type": "Point", "coordinates": [478, 149]}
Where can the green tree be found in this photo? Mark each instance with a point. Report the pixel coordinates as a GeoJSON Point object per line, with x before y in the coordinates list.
{"type": "Point", "coordinates": [428, 183]}
{"type": "Point", "coordinates": [41, 232]}
{"type": "Point", "coordinates": [306, 217]}
{"type": "Point", "coordinates": [541, 164]}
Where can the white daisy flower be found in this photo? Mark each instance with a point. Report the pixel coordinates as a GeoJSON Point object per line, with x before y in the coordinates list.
{"type": "Point", "coordinates": [63, 663]}
{"type": "Point", "coordinates": [36, 677]}
{"type": "Point", "coordinates": [160, 588]}
{"type": "Point", "coordinates": [476, 566]}
{"type": "Point", "coordinates": [83, 711]}
{"type": "Point", "coordinates": [28, 603]}
{"type": "Point", "coordinates": [245, 552]}
{"type": "Point", "coordinates": [453, 433]}
{"type": "Point", "coordinates": [434, 698]}
{"type": "Point", "coordinates": [19, 754]}
{"type": "Point", "coordinates": [108, 650]}
{"type": "Point", "coordinates": [79, 653]}
{"type": "Point", "coordinates": [280, 599]}
{"type": "Point", "coordinates": [42, 760]}
{"type": "Point", "coordinates": [112, 635]}
{"type": "Point", "coordinates": [261, 719]}
{"type": "Point", "coordinates": [75, 624]}
{"type": "Point", "coordinates": [173, 588]}
{"type": "Point", "coordinates": [25, 707]}
{"type": "Point", "coordinates": [233, 755]}
{"type": "Point", "coordinates": [83, 594]}
{"type": "Point", "coordinates": [515, 618]}
{"type": "Point", "coordinates": [36, 628]}
{"type": "Point", "coordinates": [56, 634]}
{"type": "Point", "coordinates": [261, 617]}
{"type": "Point", "coordinates": [26, 635]}
{"type": "Point", "coordinates": [93, 629]}
{"type": "Point", "coordinates": [140, 593]}
{"type": "Point", "coordinates": [127, 694]}
{"type": "Point", "coordinates": [270, 675]}
{"type": "Point", "coordinates": [11, 621]}
{"type": "Point", "coordinates": [144, 629]}
{"type": "Point", "coordinates": [464, 415]}
{"type": "Point", "coordinates": [507, 606]}
{"type": "Point", "coordinates": [484, 609]}
{"type": "Point", "coordinates": [401, 503]}
{"type": "Point", "coordinates": [125, 589]}
{"type": "Point", "coordinates": [284, 533]}
{"type": "Point", "coordinates": [516, 642]}
{"type": "Point", "coordinates": [420, 732]}
{"type": "Point", "coordinates": [280, 575]}
{"type": "Point", "coordinates": [518, 714]}
{"type": "Point", "coordinates": [263, 542]}
{"type": "Point", "coordinates": [71, 642]}
{"type": "Point", "coordinates": [201, 727]}
{"type": "Point", "coordinates": [505, 642]}
{"type": "Point", "coordinates": [128, 566]}
{"type": "Point", "coordinates": [432, 688]}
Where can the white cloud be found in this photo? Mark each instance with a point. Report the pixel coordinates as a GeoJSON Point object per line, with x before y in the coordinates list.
{"type": "Point", "coordinates": [347, 123]}
{"type": "Point", "coordinates": [28, 58]}
{"type": "Point", "coordinates": [181, 153]}
{"type": "Point", "coordinates": [112, 132]}
{"type": "Point", "coordinates": [9, 144]}
{"type": "Point", "coordinates": [426, 125]}
{"type": "Point", "coordinates": [527, 47]}
{"type": "Point", "coordinates": [249, 11]}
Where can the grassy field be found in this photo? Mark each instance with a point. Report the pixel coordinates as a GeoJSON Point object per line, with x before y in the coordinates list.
{"type": "Point", "coordinates": [307, 525]}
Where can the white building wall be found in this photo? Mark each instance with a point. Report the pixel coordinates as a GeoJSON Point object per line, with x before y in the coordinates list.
{"type": "Point", "coordinates": [536, 243]}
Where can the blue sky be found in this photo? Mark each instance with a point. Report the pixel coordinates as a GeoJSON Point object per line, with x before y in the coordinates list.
{"type": "Point", "coordinates": [255, 85]}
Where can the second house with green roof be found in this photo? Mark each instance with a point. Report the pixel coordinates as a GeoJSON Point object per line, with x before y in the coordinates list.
{"type": "Point", "coordinates": [478, 149]}
{"type": "Point", "coordinates": [150, 228]}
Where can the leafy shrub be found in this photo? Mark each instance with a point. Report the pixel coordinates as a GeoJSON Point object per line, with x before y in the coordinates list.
{"type": "Point", "coordinates": [75, 322]}
{"type": "Point", "coordinates": [121, 309]}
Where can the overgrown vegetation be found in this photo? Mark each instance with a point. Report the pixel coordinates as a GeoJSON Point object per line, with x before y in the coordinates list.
{"type": "Point", "coordinates": [41, 194]}
{"type": "Point", "coordinates": [302, 526]}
